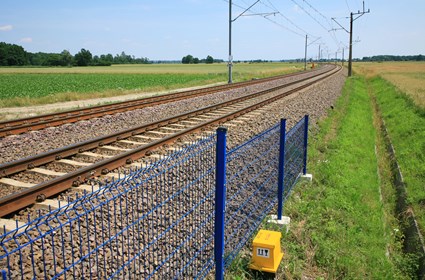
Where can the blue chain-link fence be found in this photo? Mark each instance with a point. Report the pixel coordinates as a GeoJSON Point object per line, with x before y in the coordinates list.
{"type": "Point", "coordinates": [159, 222]}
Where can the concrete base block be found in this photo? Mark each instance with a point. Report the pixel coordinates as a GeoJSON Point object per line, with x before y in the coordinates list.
{"type": "Point", "coordinates": [307, 176]}
{"type": "Point", "coordinates": [284, 221]}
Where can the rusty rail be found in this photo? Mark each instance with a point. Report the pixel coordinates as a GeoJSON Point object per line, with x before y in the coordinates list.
{"type": "Point", "coordinates": [14, 202]}
{"type": "Point", "coordinates": [34, 123]}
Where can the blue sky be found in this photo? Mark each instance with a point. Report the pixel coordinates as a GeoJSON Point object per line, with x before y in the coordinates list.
{"type": "Point", "coordinates": [168, 30]}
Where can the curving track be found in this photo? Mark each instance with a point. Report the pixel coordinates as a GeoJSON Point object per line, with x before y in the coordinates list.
{"type": "Point", "coordinates": [124, 148]}
{"type": "Point", "coordinates": [34, 123]}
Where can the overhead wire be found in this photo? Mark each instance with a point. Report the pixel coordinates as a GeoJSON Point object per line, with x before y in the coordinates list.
{"type": "Point", "coordinates": [313, 8]}
{"type": "Point", "coordinates": [297, 30]}
{"type": "Point", "coordinates": [309, 14]}
{"type": "Point", "coordinates": [271, 6]}
{"type": "Point", "coordinates": [330, 31]}
{"type": "Point", "coordinates": [348, 6]}
{"type": "Point", "coordinates": [273, 21]}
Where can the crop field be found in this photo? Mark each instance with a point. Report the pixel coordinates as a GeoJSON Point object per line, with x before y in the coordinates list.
{"type": "Point", "coordinates": [16, 89]}
{"type": "Point", "coordinates": [409, 77]}
{"type": "Point", "coordinates": [29, 86]}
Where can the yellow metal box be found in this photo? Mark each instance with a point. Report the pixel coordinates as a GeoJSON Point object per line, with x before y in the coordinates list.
{"type": "Point", "coordinates": [266, 254]}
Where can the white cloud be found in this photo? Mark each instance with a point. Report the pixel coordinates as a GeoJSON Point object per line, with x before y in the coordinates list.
{"type": "Point", "coordinates": [6, 27]}
{"type": "Point", "coordinates": [26, 40]}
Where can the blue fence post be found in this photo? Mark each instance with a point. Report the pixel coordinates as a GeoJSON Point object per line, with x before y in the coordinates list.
{"type": "Point", "coordinates": [305, 143]}
{"type": "Point", "coordinates": [220, 202]}
{"type": "Point", "coordinates": [281, 168]}
{"type": "Point", "coordinates": [4, 275]}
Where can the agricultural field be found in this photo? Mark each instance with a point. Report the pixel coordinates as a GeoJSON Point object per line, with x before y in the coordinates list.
{"type": "Point", "coordinates": [408, 77]}
{"type": "Point", "coordinates": [23, 86]}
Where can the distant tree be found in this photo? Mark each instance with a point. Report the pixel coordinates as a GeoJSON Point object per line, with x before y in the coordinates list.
{"type": "Point", "coordinates": [4, 51]}
{"type": "Point", "coordinates": [11, 54]}
{"type": "Point", "coordinates": [195, 60]}
{"type": "Point", "coordinates": [100, 61]}
{"type": "Point", "coordinates": [209, 60]}
{"type": "Point", "coordinates": [53, 59]}
{"type": "Point", "coordinates": [16, 55]}
{"type": "Point", "coordinates": [83, 58]}
{"type": "Point", "coordinates": [109, 58]}
{"type": "Point", "coordinates": [66, 58]}
{"type": "Point", "coordinates": [379, 58]}
{"type": "Point", "coordinates": [188, 59]}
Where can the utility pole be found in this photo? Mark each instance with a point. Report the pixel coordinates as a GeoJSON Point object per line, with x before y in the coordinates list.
{"type": "Point", "coordinates": [352, 19]}
{"type": "Point", "coordinates": [343, 55]}
{"type": "Point", "coordinates": [305, 54]}
{"type": "Point", "coordinates": [230, 63]}
{"type": "Point", "coordinates": [350, 53]}
{"type": "Point", "coordinates": [318, 60]}
{"type": "Point", "coordinates": [305, 51]}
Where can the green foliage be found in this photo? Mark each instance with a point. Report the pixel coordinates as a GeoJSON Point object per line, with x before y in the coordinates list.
{"type": "Point", "coordinates": [83, 58]}
{"type": "Point", "coordinates": [12, 55]}
{"type": "Point", "coordinates": [209, 60]}
{"type": "Point", "coordinates": [406, 126]}
{"type": "Point", "coordinates": [188, 59]}
{"type": "Point", "coordinates": [339, 226]}
{"type": "Point", "coordinates": [395, 58]}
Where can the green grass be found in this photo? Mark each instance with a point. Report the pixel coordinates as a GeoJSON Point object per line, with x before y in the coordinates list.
{"type": "Point", "coordinates": [22, 86]}
{"type": "Point", "coordinates": [339, 220]}
{"type": "Point", "coordinates": [342, 223]}
{"type": "Point", "coordinates": [405, 122]}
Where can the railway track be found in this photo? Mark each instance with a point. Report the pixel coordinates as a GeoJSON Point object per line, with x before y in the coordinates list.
{"type": "Point", "coordinates": [34, 123]}
{"type": "Point", "coordinates": [102, 155]}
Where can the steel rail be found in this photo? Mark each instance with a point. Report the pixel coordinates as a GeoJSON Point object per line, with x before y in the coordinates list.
{"type": "Point", "coordinates": [14, 202]}
{"type": "Point", "coordinates": [34, 123]}
{"type": "Point", "coordinates": [13, 167]}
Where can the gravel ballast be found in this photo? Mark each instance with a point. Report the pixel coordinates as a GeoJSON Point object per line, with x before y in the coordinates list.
{"type": "Point", "coordinates": [314, 101]}
{"type": "Point", "coordinates": [28, 144]}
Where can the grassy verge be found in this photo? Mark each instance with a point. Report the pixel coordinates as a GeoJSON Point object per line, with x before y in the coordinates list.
{"type": "Point", "coordinates": [405, 122]}
{"type": "Point", "coordinates": [342, 223]}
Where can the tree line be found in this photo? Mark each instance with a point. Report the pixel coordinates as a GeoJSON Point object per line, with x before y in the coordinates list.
{"type": "Point", "coordinates": [15, 55]}
{"type": "Point", "coordinates": [190, 59]}
{"type": "Point", "coordinates": [395, 58]}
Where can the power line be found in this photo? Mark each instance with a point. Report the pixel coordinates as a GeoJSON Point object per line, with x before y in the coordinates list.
{"type": "Point", "coordinates": [302, 8]}
{"type": "Point", "coordinates": [287, 19]}
{"type": "Point", "coordinates": [265, 16]}
{"type": "Point", "coordinates": [284, 27]}
{"type": "Point", "coordinates": [348, 6]}
{"type": "Point", "coordinates": [332, 34]}
{"type": "Point", "coordinates": [305, 1]}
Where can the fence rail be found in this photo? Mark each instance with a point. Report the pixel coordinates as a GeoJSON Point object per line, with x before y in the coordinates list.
{"type": "Point", "coordinates": [160, 221]}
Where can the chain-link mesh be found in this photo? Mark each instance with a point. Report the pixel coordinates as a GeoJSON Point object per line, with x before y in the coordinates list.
{"type": "Point", "coordinates": [155, 222]}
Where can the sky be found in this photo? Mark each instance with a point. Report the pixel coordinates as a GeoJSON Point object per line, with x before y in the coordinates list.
{"type": "Point", "coordinates": [171, 29]}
